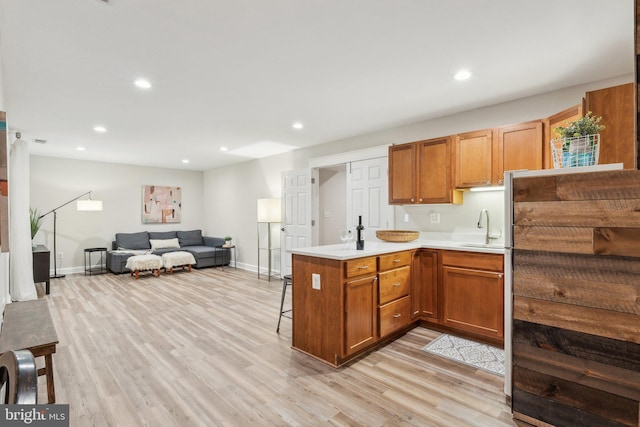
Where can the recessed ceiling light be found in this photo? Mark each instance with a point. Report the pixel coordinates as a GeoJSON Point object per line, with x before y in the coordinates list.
{"type": "Point", "coordinates": [185, 161]}
{"type": "Point", "coordinates": [142, 84]}
{"type": "Point", "coordinates": [297, 125]}
{"type": "Point", "coordinates": [100, 129]}
{"type": "Point", "coordinates": [224, 149]}
{"type": "Point", "coordinates": [462, 75]}
{"type": "Point", "coordinates": [80, 148]}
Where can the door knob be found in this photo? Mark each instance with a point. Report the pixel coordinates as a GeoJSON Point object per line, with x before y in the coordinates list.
{"type": "Point", "coordinates": [282, 229]}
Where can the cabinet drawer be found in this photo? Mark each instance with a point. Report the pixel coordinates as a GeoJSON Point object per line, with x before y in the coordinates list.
{"type": "Point", "coordinates": [398, 259]}
{"type": "Point", "coordinates": [360, 266]}
{"type": "Point", "coordinates": [394, 284]}
{"type": "Point", "coordinates": [395, 315]}
{"type": "Point", "coordinates": [476, 260]}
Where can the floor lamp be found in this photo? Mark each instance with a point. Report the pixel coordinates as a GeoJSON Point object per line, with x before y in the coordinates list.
{"type": "Point", "coordinates": [268, 213]}
{"type": "Point", "coordinates": [83, 205]}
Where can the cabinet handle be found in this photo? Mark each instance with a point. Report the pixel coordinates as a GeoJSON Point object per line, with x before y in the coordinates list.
{"type": "Point", "coordinates": [396, 260]}
{"type": "Point", "coordinates": [419, 200]}
{"type": "Point", "coordinates": [488, 182]}
{"type": "Point", "coordinates": [397, 315]}
{"type": "Point", "coordinates": [500, 182]}
{"type": "Point", "coordinates": [499, 276]}
{"type": "Point", "coordinates": [413, 200]}
{"type": "Point", "coordinates": [396, 284]}
{"type": "Point", "coordinates": [363, 267]}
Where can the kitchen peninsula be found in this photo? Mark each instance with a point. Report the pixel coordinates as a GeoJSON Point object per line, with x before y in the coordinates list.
{"type": "Point", "coordinates": [346, 302]}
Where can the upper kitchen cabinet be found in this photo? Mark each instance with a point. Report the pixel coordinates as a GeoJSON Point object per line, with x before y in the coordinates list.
{"type": "Point", "coordinates": [517, 147]}
{"type": "Point", "coordinates": [483, 156]}
{"type": "Point", "coordinates": [617, 140]}
{"type": "Point", "coordinates": [473, 161]}
{"type": "Point", "coordinates": [420, 173]}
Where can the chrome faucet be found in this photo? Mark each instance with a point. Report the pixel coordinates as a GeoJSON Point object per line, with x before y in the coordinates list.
{"type": "Point", "coordinates": [486, 238]}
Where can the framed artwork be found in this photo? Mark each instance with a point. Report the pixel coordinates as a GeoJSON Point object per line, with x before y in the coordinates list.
{"type": "Point", "coordinates": [161, 205]}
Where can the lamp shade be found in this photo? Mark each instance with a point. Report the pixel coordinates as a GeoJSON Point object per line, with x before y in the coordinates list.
{"type": "Point", "coordinates": [268, 210]}
{"type": "Point", "coordinates": [89, 205]}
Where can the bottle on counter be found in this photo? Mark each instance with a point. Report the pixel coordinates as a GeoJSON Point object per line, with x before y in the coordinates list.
{"type": "Point", "coordinates": [360, 235]}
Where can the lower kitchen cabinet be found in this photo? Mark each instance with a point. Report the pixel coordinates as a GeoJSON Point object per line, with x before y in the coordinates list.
{"type": "Point", "coordinates": [395, 315]}
{"type": "Point", "coordinates": [424, 291]}
{"type": "Point", "coordinates": [360, 313]}
{"type": "Point", "coordinates": [473, 293]}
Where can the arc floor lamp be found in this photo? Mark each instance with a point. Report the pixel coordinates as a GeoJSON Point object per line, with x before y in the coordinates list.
{"type": "Point", "coordinates": [82, 205]}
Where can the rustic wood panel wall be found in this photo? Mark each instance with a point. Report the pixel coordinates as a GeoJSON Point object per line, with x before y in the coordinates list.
{"type": "Point", "coordinates": [576, 285]}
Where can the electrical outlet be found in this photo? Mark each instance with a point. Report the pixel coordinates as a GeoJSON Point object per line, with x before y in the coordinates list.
{"type": "Point", "coordinates": [406, 217]}
{"type": "Point", "coordinates": [434, 217]}
{"type": "Point", "coordinates": [315, 281]}
{"type": "Point", "coordinates": [60, 255]}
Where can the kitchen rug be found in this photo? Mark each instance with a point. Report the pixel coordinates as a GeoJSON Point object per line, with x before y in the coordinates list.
{"type": "Point", "coordinates": [481, 356]}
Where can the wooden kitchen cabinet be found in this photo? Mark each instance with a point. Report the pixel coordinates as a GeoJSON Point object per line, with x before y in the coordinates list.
{"type": "Point", "coordinates": [517, 147]}
{"type": "Point", "coordinates": [420, 173]}
{"type": "Point", "coordinates": [473, 161]}
{"type": "Point", "coordinates": [617, 140]}
{"type": "Point", "coordinates": [473, 293]}
{"type": "Point", "coordinates": [394, 284]}
{"type": "Point", "coordinates": [424, 291]}
{"type": "Point", "coordinates": [360, 314]}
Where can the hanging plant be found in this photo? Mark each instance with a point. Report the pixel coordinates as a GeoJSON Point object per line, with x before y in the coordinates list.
{"type": "Point", "coordinates": [36, 222]}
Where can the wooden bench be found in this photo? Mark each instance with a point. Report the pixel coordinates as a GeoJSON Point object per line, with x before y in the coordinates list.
{"type": "Point", "coordinates": [27, 325]}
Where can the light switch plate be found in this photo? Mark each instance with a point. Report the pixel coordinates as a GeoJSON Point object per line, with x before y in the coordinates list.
{"type": "Point", "coordinates": [435, 217]}
{"type": "Point", "coordinates": [315, 281]}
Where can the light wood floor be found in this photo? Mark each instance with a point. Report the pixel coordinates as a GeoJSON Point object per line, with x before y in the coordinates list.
{"type": "Point", "coordinates": [200, 349]}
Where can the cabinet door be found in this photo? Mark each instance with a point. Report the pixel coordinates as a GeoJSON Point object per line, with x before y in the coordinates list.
{"type": "Point", "coordinates": [473, 301]}
{"type": "Point", "coordinates": [434, 171]}
{"type": "Point", "coordinates": [473, 158]}
{"type": "Point", "coordinates": [617, 139]}
{"type": "Point", "coordinates": [360, 314]}
{"type": "Point", "coordinates": [402, 182]}
{"type": "Point", "coordinates": [425, 285]}
{"type": "Point", "coordinates": [517, 147]}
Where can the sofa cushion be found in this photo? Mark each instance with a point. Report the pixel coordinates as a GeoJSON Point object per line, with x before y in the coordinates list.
{"type": "Point", "coordinates": [161, 235]}
{"type": "Point", "coordinates": [133, 240]}
{"type": "Point", "coordinates": [164, 243]}
{"type": "Point", "coordinates": [190, 238]}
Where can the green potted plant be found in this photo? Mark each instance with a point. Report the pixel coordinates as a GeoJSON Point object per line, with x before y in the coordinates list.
{"type": "Point", "coordinates": [578, 143]}
{"type": "Point", "coordinates": [227, 240]}
{"type": "Point", "coordinates": [36, 222]}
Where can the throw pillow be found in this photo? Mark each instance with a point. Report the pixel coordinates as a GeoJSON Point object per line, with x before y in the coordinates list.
{"type": "Point", "coordinates": [190, 238]}
{"type": "Point", "coordinates": [164, 244]}
{"type": "Point", "coordinates": [133, 240]}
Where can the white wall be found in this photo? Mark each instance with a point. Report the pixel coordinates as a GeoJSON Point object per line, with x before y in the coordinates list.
{"type": "Point", "coordinates": [333, 193]}
{"type": "Point", "coordinates": [55, 181]}
{"type": "Point", "coordinates": [231, 192]}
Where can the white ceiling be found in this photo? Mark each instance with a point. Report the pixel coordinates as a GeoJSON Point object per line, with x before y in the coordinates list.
{"type": "Point", "coordinates": [239, 73]}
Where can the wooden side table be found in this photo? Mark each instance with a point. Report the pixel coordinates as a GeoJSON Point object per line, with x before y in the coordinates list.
{"type": "Point", "coordinates": [41, 265]}
{"type": "Point", "coordinates": [28, 325]}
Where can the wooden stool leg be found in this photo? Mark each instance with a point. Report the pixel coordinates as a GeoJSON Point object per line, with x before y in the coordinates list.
{"type": "Point", "coordinates": [137, 274]}
{"type": "Point", "coordinates": [158, 272]}
{"type": "Point", "coordinates": [51, 390]}
{"type": "Point", "coordinates": [189, 268]}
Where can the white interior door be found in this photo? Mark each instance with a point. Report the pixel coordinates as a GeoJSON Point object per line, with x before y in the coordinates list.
{"type": "Point", "coordinates": [296, 214]}
{"type": "Point", "coordinates": [367, 195]}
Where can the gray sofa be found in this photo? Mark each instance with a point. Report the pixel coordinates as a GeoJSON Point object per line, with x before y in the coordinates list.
{"type": "Point", "coordinates": [207, 251]}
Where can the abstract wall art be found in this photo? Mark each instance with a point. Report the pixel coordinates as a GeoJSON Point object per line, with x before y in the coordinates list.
{"type": "Point", "coordinates": [161, 205]}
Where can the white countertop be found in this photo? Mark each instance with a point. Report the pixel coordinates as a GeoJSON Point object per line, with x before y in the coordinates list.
{"type": "Point", "coordinates": [345, 252]}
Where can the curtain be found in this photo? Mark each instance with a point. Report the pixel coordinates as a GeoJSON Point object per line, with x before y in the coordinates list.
{"type": "Point", "coordinates": [21, 284]}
